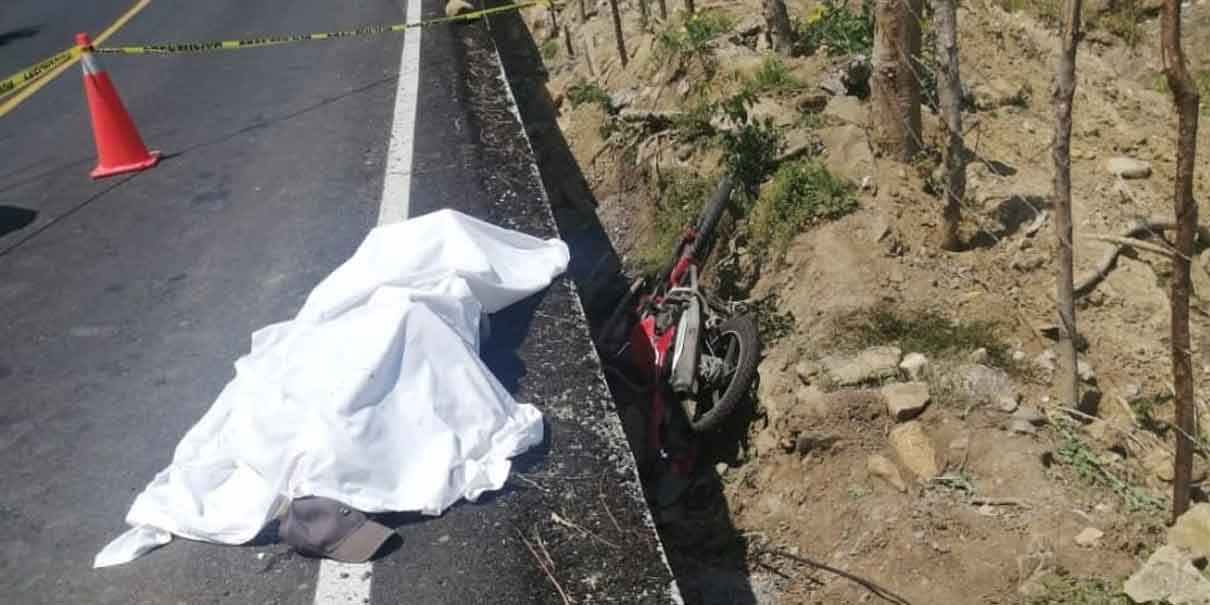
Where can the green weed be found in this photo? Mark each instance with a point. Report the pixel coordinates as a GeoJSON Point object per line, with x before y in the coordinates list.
{"type": "Point", "coordinates": [810, 120]}
{"type": "Point", "coordinates": [752, 147]}
{"type": "Point", "coordinates": [1047, 11]}
{"type": "Point", "coordinates": [803, 194]}
{"type": "Point", "coordinates": [773, 322]}
{"type": "Point", "coordinates": [773, 76]}
{"type": "Point", "coordinates": [1125, 22]}
{"type": "Point", "coordinates": [582, 92]}
{"type": "Point", "coordinates": [696, 123]}
{"type": "Point", "coordinates": [1201, 80]}
{"type": "Point", "coordinates": [838, 28]}
{"type": "Point", "coordinates": [925, 332]}
{"type": "Point", "coordinates": [550, 50]}
{"type": "Point", "coordinates": [682, 196]}
{"type": "Point", "coordinates": [694, 38]}
{"type": "Point", "coordinates": [1077, 455]}
{"type": "Point", "coordinates": [1064, 589]}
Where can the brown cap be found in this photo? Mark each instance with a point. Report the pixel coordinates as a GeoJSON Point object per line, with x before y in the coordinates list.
{"type": "Point", "coordinates": [320, 527]}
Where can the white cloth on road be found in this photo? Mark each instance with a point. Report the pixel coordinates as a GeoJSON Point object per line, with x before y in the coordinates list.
{"type": "Point", "coordinates": [373, 395]}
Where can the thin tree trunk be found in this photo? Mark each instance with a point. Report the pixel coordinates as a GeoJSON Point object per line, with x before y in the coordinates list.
{"type": "Point", "coordinates": [894, 89]}
{"type": "Point", "coordinates": [1064, 92]}
{"type": "Point", "coordinates": [553, 18]}
{"type": "Point", "coordinates": [1186, 98]}
{"type": "Point", "coordinates": [663, 10]}
{"type": "Point", "coordinates": [617, 32]}
{"type": "Point", "coordinates": [777, 22]}
{"type": "Point", "coordinates": [949, 99]}
{"type": "Point", "coordinates": [571, 50]}
{"type": "Point", "coordinates": [644, 13]}
{"type": "Point", "coordinates": [689, 9]}
{"type": "Point", "coordinates": [583, 11]}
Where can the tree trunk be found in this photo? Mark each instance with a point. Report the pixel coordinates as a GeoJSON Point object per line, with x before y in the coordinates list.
{"type": "Point", "coordinates": [689, 7]}
{"type": "Point", "coordinates": [663, 10]}
{"type": "Point", "coordinates": [644, 11]}
{"type": "Point", "coordinates": [949, 100]}
{"type": "Point", "coordinates": [778, 31]}
{"type": "Point", "coordinates": [583, 11]}
{"type": "Point", "coordinates": [894, 89]}
{"type": "Point", "coordinates": [1186, 98]}
{"type": "Point", "coordinates": [617, 32]}
{"type": "Point", "coordinates": [552, 18]}
{"type": "Point", "coordinates": [1064, 92]}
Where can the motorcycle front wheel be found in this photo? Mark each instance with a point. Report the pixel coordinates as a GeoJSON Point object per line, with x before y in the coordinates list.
{"type": "Point", "coordinates": [730, 355]}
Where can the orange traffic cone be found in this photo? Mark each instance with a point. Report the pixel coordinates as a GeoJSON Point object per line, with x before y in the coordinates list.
{"type": "Point", "coordinates": [120, 149]}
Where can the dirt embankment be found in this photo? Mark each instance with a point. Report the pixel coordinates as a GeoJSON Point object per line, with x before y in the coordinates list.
{"type": "Point", "coordinates": [959, 482]}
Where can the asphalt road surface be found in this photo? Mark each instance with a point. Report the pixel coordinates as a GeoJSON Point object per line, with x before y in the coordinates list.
{"type": "Point", "coordinates": [124, 302]}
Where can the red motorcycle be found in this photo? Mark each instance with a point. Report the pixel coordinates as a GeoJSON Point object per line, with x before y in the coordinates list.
{"type": "Point", "coordinates": [695, 361]}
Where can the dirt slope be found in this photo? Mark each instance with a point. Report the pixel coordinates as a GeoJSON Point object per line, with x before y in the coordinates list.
{"type": "Point", "coordinates": [997, 522]}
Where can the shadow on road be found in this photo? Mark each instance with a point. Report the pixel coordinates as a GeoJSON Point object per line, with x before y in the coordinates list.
{"type": "Point", "coordinates": [15, 218]}
{"type": "Point", "coordinates": [12, 35]}
{"type": "Point", "coordinates": [707, 553]}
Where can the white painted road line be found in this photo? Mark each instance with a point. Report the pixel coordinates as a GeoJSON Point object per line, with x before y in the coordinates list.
{"type": "Point", "coordinates": [344, 583]}
{"type": "Point", "coordinates": [350, 583]}
{"type": "Point", "coordinates": [397, 182]}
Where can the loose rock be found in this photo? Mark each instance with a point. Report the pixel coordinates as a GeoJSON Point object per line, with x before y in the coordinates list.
{"type": "Point", "coordinates": [1047, 360]}
{"type": "Point", "coordinates": [871, 365]}
{"type": "Point", "coordinates": [915, 366]}
{"type": "Point", "coordinates": [980, 384]}
{"type": "Point", "coordinates": [1192, 530]}
{"type": "Point", "coordinates": [1160, 463]}
{"type": "Point", "coordinates": [808, 442]}
{"type": "Point", "coordinates": [978, 356]}
{"type": "Point", "coordinates": [811, 401]}
{"type": "Point", "coordinates": [906, 400]}
{"type": "Point", "coordinates": [1128, 168]}
{"type": "Point", "coordinates": [765, 442]}
{"type": "Point", "coordinates": [999, 93]}
{"type": "Point", "coordinates": [847, 77]}
{"type": "Point", "coordinates": [1132, 393]}
{"type": "Point", "coordinates": [1021, 427]}
{"type": "Point", "coordinates": [1030, 414]}
{"type": "Point", "coordinates": [1085, 371]}
{"type": "Point", "coordinates": [1089, 537]}
{"type": "Point", "coordinates": [1090, 400]}
{"type": "Point", "coordinates": [1169, 576]}
{"type": "Point", "coordinates": [806, 371]}
{"type": "Point", "coordinates": [881, 467]}
{"type": "Point", "coordinates": [915, 449]}
{"type": "Point", "coordinates": [1008, 405]}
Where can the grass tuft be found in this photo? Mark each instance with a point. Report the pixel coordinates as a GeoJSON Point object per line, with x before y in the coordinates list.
{"type": "Point", "coordinates": [1064, 589]}
{"type": "Point", "coordinates": [582, 93]}
{"type": "Point", "coordinates": [802, 194]}
{"type": "Point", "coordinates": [774, 76]}
{"type": "Point", "coordinates": [838, 28]}
{"type": "Point", "coordinates": [923, 332]}
{"type": "Point", "coordinates": [682, 196]}
{"type": "Point", "coordinates": [693, 38]}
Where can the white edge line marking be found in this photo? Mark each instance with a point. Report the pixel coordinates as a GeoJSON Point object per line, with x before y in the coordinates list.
{"type": "Point", "coordinates": [397, 181]}
{"type": "Point", "coordinates": [344, 583]}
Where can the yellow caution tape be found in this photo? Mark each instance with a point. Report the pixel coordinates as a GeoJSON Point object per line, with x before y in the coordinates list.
{"type": "Point", "coordinates": [25, 76]}
{"type": "Point", "coordinates": [369, 30]}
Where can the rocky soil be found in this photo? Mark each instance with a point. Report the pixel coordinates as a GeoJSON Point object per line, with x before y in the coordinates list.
{"type": "Point", "coordinates": [946, 475]}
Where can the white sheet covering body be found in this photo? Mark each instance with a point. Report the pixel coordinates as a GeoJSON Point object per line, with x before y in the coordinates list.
{"type": "Point", "coordinates": [374, 395]}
